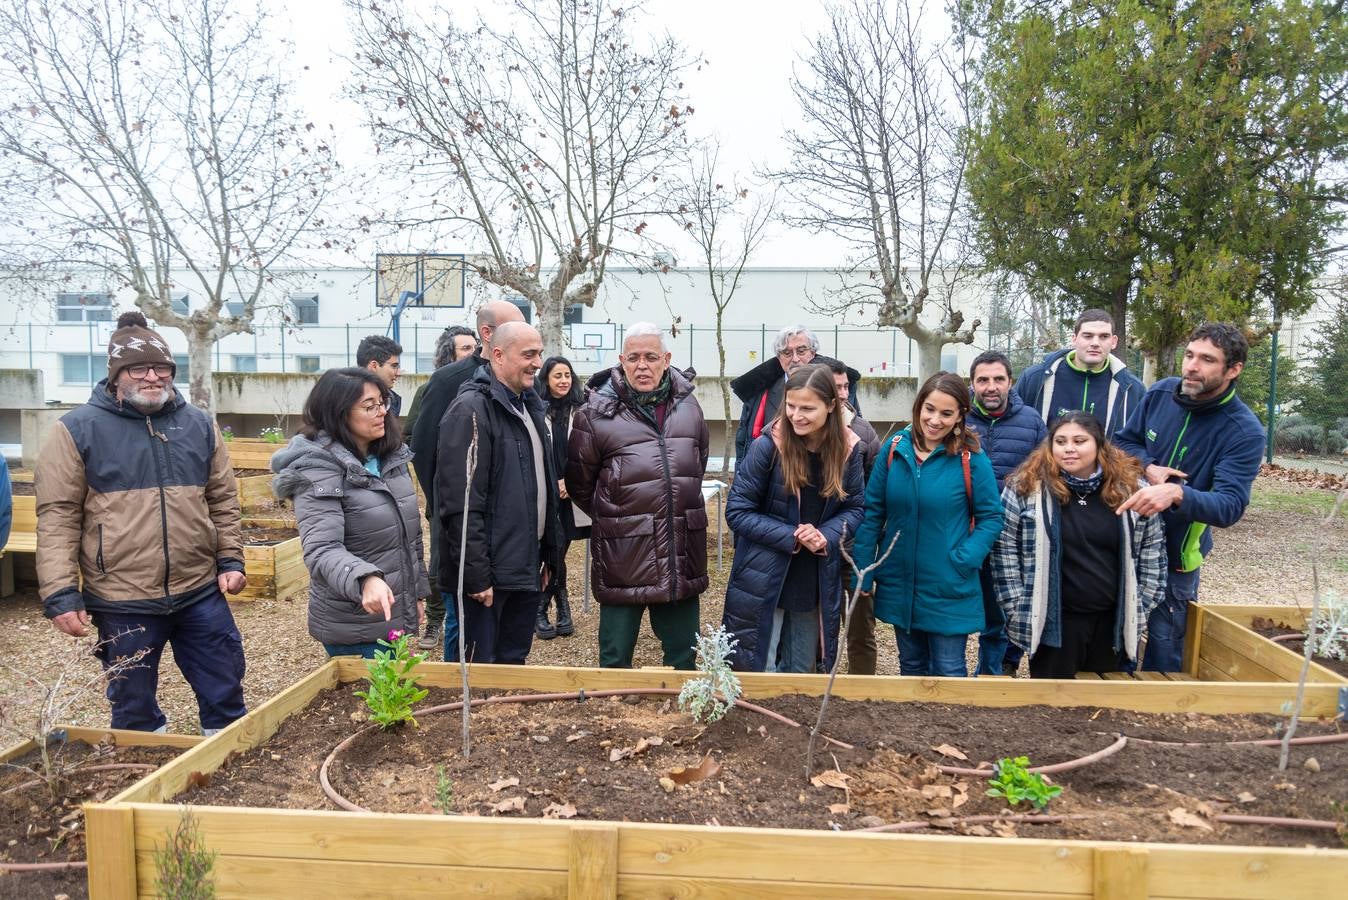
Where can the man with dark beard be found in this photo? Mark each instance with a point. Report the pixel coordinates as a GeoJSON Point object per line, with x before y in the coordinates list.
{"type": "Point", "coordinates": [136, 498]}
{"type": "Point", "coordinates": [1201, 448]}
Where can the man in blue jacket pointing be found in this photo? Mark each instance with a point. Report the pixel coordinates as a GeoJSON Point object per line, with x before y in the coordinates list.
{"type": "Point", "coordinates": [1201, 448]}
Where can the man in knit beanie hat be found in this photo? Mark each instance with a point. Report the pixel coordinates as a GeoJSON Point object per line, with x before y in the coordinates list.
{"type": "Point", "coordinates": [139, 534]}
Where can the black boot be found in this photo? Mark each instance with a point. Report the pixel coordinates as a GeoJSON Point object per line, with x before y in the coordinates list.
{"type": "Point", "coordinates": [542, 627]}
{"type": "Point", "coordinates": [565, 628]}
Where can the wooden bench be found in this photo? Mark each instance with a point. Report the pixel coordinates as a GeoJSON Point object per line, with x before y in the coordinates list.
{"type": "Point", "coordinates": [19, 542]}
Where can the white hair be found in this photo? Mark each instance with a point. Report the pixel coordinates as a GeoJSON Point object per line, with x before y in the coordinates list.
{"type": "Point", "coordinates": [791, 331]}
{"type": "Point", "coordinates": [646, 329]}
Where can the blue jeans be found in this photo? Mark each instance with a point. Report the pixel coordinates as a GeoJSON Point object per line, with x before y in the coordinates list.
{"type": "Point", "coordinates": [451, 624]}
{"type": "Point", "coordinates": [993, 647]}
{"type": "Point", "coordinates": [1168, 622]}
{"type": "Point", "coordinates": [798, 650]}
{"type": "Point", "coordinates": [924, 653]}
{"type": "Point", "coordinates": [207, 647]}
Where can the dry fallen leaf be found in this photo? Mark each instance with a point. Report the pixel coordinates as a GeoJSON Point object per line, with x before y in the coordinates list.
{"type": "Point", "coordinates": [1181, 816]}
{"type": "Point", "coordinates": [510, 804]}
{"type": "Point", "coordinates": [577, 736]}
{"type": "Point", "coordinates": [932, 791]}
{"type": "Point", "coordinates": [952, 752]}
{"type": "Point", "coordinates": [668, 784]}
{"type": "Point", "coordinates": [1246, 797]}
{"type": "Point", "coordinates": [688, 774]}
{"type": "Point", "coordinates": [559, 811]}
{"type": "Point", "coordinates": [839, 809]}
{"type": "Point", "coordinates": [831, 778]}
{"type": "Point", "coordinates": [498, 786]}
{"type": "Point", "coordinates": [978, 830]}
{"type": "Point", "coordinates": [1004, 829]}
{"type": "Point", "coordinates": [959, 800]}
{"type": "Point", "coordinates": [939, 812]}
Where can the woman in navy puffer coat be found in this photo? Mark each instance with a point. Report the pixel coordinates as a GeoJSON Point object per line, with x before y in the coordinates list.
{"type": "Point", "coordinates": [786, 580]}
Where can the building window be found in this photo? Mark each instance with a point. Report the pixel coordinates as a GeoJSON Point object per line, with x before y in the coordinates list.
{"type": "Point", "coordinates": [180, 375]}
{"type": "Point", "coordinates": [244, 363]}
{"type": "Point", "coordinates": [306, 308]}
{"type": "Point", "coordinates": [180, 304]}
{"type": "Point", "coordinates": [234, 306]}
{"type": "Point", "coordinates": [425, 363]}
{"type": "Point", "coordinates": [573, 314]}
{"type": "Point", "coordinates": [308, 365]}
{"type": "Point", "coordinates": [84, 307]}
{"type": "Point", "coordinates": [523, 306]}
{"type": "Point", "coordinates": [77, 368]}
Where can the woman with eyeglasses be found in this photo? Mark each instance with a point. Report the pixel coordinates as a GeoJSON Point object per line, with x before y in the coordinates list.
{"type": "Point", "coordinates": [347, 472]}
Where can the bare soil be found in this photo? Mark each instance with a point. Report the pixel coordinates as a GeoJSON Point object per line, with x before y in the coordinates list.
{"type": "Point", "coordinates": [265, 534]}
{"type": "Point", "coordinates": [22, 488]}
{"type": "Point", "coordinates": [37, 826]}
{"type": "Point", "coordinates": [1271, 629]}
{"type": "Point", "coordinates": [557, 760]}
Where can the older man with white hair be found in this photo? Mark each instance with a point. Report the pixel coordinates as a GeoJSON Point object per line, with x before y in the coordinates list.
{"type": "Point", "coordinates": [635, 463]}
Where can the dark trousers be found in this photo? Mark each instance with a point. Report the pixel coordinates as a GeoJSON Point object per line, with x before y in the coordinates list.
{"type": "Point", "coordinates": [1168, 622]}
{"type": "Point", "coordinates": [502, 632]}
{"type": "Point", "coordinates": [1087, 646]}
{"type": "Point", "coordinates": [207, 647]}
{"type": "Point", "coordinates": [675, 624]}
{"type": "Point", "coordinates": [435, 603]}
{"type": "Point", "coordinates": [860, 633]}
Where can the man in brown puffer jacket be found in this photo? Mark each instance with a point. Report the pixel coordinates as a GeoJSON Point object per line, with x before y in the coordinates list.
{"type": "Point", "coordinates": [635, 463]}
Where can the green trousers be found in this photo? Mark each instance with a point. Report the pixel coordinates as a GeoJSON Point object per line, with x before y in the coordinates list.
{"type": "Point", "coordinates": [675, 624]}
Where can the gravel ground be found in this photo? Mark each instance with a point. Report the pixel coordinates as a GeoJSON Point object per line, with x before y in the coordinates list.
{"type": "Point", "coordinates": [1266, 558]}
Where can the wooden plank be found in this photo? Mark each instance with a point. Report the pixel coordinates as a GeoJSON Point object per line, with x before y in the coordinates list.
{"type": "Point", "coordinates": [248, 878]}
{"type": "Point", "coordinates": [21, 542]}
{"type": "Point", "coordinates": [1141, 696]}
{"type": "Point", "coordinates": [1245, 613]}
{"type": "Point", "coordinates": [1116, 676]}
{"type": "Point", "coordinates": [1282, 663]}
{"type": "Point", "coordinates": [1088, 676]}
{"type": "Point", "coordinates": [125, 738]}
{"type": "Point", "coordinates": [592, 867]}
{"type": "Point", "coordinates": [243, 734]}
{"type": "Point", "coordinates": [14, 751]}
{"type": "Point", "coordinates": [1209, 672]}
{"type": "Point", "coordinates": [1148, 676]}
{"type": "Point", "coordinates": [1244, 873]}
{"type": "Point", "coordinates": [25, 514]}
{"type": "Point", "coordinates": [1193, 638]}
{"type": "Point", "coordinates": [330, 836]}
{"type": "Point", "coordinates": [1180, 676]}
{"type": "Point", "coordinates": [1235, 665]}
{"type": "Point", "coordinates": [111, 851]}
{"type": "Point", "coordinates": [650, 887]}
{"type": "Point", "coordinates": [1119, 874]}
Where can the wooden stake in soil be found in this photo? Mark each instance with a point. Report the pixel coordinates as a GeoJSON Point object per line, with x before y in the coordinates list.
{"type": "Point", "coordinates": [471, 468]}
{"type": "Point", "coordinates": [842, 631]}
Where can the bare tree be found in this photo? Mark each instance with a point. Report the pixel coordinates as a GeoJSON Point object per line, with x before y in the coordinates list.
{"type": "Point", "coordinates": [880, 162]}
{"type": "Point", "coordinates": [139, 137]}
{"type": "Point", "coordinates": [727, 224]}
{"type": "Point", "coordinates": [547, 137]}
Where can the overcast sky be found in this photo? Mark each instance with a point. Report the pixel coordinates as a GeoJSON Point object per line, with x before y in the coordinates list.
{"type": "Point", "coordinates": [742, 94]}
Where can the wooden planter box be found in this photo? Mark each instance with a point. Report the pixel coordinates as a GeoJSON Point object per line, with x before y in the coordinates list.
{"type": "Point", "coordinates": [255, 491]}
{"type": "Point", "coordinates": [122, 737]}
{"type": "Point", "coordinates": [275, 571]}
{"type": "Point", "coordinates": [293, 853]}
{"type": "Point", "coordinates": [1228, 649]}
{"type": "Point", "coordinates": [249, 453]}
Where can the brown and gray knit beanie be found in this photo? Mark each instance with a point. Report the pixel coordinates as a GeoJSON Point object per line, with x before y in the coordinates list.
{"type": "Point", "coordinates": [133, 343]}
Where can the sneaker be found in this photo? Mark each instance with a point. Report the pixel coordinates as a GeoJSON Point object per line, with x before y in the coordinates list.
{"type": "Point", "coordinates": [433, 638]}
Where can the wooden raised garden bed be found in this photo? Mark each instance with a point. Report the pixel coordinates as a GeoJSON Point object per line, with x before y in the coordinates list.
{"type": "Point", "coordinates": [1232, 645]}
{"type": "Point", "coordinates": [322, 853]}
{"type": "Point", "coordinates": [272, 559]}
{"type": "Point", "coordinates": [250, 453]}
{"type": "Point", "coordinates": [43, 833]}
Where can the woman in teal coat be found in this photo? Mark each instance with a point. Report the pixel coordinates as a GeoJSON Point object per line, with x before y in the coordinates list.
{"type": "Point", "coordinates": [933, 487]}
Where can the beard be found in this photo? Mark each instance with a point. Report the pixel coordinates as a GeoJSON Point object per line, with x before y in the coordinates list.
{"type": "Point", "coordinates": [1202, 388]}
{"type": "Point", "coordinates": [135, 395]}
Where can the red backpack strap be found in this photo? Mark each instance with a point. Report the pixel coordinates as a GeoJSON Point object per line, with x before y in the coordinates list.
{"type": "Point", "coordinates": [893, 446]}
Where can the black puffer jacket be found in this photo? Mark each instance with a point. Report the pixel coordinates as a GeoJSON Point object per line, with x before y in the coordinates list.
{"type": "Point", "coordinates": [642, 487]}
{"type": "Point", "coordinates": [353, 524]}
{"type": "Point", "coordinates": [503, 551]}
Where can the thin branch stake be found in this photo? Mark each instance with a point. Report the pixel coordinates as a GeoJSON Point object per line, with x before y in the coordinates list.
{"type": "Point", "coordinates": [470, 466]}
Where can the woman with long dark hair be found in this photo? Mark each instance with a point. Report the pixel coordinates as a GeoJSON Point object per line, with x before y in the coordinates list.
{"type": "Point", "coordinates": [1076, 578]}
{"type": "Point", "coordinates": [347, 472]}
{"type": "Point", "coordinates": [560, 389]}
{"type": "Point", "coordinates": [795, 497]}
{"type": "Point", "coordinates": [934, 487]}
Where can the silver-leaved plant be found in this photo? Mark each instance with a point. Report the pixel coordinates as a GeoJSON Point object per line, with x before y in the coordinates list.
{"type": "Point", "coordinates": [709, 697]}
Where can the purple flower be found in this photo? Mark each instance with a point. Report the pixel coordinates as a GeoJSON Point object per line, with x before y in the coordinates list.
{"type": "Point", "coordinates": [395, 634]}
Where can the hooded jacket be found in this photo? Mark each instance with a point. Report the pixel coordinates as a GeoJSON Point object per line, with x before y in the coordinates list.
{"type": "Point", "coordinates": [1009, 438]}
{"type": "Point", "coordinates": [439, 393]}
{"type": "Point", "coordinates": [1110, 395]}
{"type": "Point", "coordinates": [144, 508]}
{"type": "Point", "coordinates": [767, 382]}
{"type": "Point", "coordinates": [764, 518]}
{"type": "Point", "coordinates": [929, 582]}
{"type": "Point", "coordinates": [1219, 446]}
{"type": "Point", "coordinates": [504, 551]}
{"type": "Point", "coordinates": [353, 524]}
{"type": "Point", "coordinates": [641, 485]}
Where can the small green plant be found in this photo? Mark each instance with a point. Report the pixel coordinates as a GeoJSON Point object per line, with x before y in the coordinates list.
{"type": "Point", "coordinates": [1015, 782]}
{"type": "Point", "coordinates": [393, 689]}
{"type": "Point", "coordinates": [1331, 626]}
{"type": "Point", "coordinates": [444, 791]}
{"type": "Point", "coordinates": [272, 435]}
{"type": "Point", "coordinates": [226, 434]}
{"type": "Point", "coordinates": [183, 865]}
{"type": "Point", "coordinates": [710, 697]}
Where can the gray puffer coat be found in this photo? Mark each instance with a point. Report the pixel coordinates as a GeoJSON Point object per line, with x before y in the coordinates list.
{"type": "Point", "coordinates": [353, 524]}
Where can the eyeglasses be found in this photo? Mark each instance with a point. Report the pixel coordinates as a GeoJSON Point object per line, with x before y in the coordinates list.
{"type": "Point", "coordinates": [373, 409]}
{"type": "Point", "coordinates": [798, 353]}
{"type": "Point", "coordinates": [650, 359]}
{"type": "Point", "coordinates": [163, 370]}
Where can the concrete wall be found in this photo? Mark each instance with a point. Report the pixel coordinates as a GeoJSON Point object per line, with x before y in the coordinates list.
{"type": "Point", "coordinates": [20, 389]}
{"type": "Point", "coordinates": [35, 426]}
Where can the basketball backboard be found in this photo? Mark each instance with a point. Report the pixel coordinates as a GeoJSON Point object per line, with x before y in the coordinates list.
{"type": "Point", "coordinates": [424, 279]}
{"type": "Point", "coordinates": [594, 336]}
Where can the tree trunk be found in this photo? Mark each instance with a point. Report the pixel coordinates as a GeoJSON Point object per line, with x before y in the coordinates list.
{"type": "Point", "coordinates": [928, 355]}
{"type": "Point", "coordinates": [728, 442]}
{"type": "Point", "coordinates": [548, 321]}
{"type": "Point", "coordinates": [1119, 310]}
{"type": "Point", "coordinates": [201, 383]}
{"type": "Point", "coordinates": [1165, 361]}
